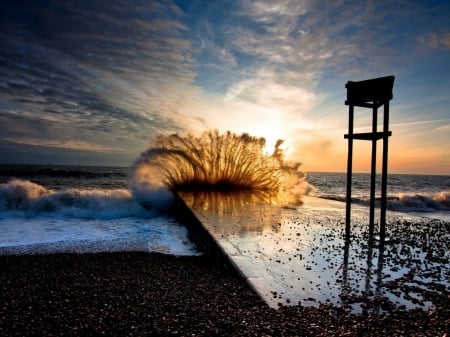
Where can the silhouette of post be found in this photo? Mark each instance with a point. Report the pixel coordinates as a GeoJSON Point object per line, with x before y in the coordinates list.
{"type": "Point", "coordinates": [371, 94]}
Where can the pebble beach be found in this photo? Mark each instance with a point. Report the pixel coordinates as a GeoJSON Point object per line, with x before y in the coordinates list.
{"type": "Point", "coordinates": [149, 294]}
{"type": "Point", "coordinates": [103, 272]}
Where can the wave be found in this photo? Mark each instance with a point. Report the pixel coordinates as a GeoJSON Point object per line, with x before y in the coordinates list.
{"type": "Point", "coordinates": [418, 202]}
{"type": "Point", "coordinates": [217, 162]}
{"type": "Point", "coordinates": [25, 198]}
{"type": "Point", "coordinates": [211, 162]}
{"type": "Point", "coordinates": [406, 202]}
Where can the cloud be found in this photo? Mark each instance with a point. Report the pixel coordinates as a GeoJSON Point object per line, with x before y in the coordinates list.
{"type": "Point", "coordinates": [435, 40]}
{"type": "Point", "coordinates": [444, 128]}
{"type": "Point", "coordinates": [269, 11]}
{"type": "Point", "coordinates": [89, 74]}
{"type": "Point", "coordinates": [272, 95]}
{"type": "Point", "coordinates": [72, 145]}
{"type": "Point", "coordinates": [14, 153]}
{"type": "Point", "coordinates": [423, 122]}
{"type": "Point", "coordinates": [102, 71]}
{"type": "Point", "coordinates": [338, 39]}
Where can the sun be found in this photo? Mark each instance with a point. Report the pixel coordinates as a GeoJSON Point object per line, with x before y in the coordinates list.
{"type": "Point", "coordinates": [271, 133]}
{"type": "Point", "coordinates": [239, 116]}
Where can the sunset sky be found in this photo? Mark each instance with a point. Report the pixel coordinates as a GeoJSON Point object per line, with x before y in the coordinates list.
{"type": "Point", "coordinates": [91, 82]}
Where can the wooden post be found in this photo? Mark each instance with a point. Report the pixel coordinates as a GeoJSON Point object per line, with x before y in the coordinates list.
{"type": "Point", "coordinates": [349, 174]}
{"type": "Point", "coordinates": [373, 171]}
{"type": "Point", "coordinates": [384, 173]}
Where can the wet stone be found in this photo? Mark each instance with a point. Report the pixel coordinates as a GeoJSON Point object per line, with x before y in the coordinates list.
{"type": "Point", "coordinates": [315, 232]}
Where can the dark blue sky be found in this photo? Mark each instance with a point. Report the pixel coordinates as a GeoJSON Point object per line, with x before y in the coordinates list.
{"type": "Point", "coordinates": [90, 82]}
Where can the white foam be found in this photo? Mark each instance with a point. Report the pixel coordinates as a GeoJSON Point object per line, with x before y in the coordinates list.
{"type": "Point", "coordinates": [22, 198]}
{"type": "Point", "coordinates": [34, 236]}
{"type": "Point", "coordinates": [34, 220]}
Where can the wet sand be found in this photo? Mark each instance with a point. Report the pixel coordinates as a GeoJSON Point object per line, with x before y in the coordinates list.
{"type": "Point", "coordinates": [147, 294]}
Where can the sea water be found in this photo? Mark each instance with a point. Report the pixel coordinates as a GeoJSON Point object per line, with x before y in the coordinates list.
{"type": "Point", "coordinates": [426, 195]}
{"type": "Point", "coordinates": [90, 209]}
{"type": "Point", "coordinates": [81, 209]}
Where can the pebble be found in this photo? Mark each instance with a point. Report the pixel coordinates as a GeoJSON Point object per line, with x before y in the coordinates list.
{"type": "Point", "coordinates": [142, 294]}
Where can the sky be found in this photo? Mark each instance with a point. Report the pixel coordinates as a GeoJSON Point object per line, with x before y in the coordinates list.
{"type": "Point", "coordinates": [92, 82]}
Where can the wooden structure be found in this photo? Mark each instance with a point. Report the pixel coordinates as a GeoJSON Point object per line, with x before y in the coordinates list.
{"type": "Point", "coordinates": [371, 94]}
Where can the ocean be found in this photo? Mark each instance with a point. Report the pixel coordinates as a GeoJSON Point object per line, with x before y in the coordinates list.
{"type": "Point", "coordinates": [428, 195]}
{"type": "Point", "coordinates": [81, 209]}
{"type": "Point", "coordinates": [91, 209]}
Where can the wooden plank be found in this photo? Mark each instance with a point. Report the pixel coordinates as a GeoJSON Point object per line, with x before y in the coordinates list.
{"type": "Point", "coordinates": [374, 90]}
{"type": "Point", "coordinates": [368, 135]}
{"type": "Point", "coordinates": [371, 105]}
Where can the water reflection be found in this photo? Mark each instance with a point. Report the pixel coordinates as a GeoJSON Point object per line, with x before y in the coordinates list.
{"type": "Point", "coordinates": [236, 213]}
{"type": "Point", "coordinates": [225, 202]}
{"type": "Point", "coordinates": [371, 296]}
{"type": "Point", "coordinates": [230, 202]}
{"type": "Point", "coordinates": [300, 255]}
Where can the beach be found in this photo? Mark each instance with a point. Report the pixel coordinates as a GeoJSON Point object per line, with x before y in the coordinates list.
{"type": "Point", "coordinates": [79, 256]}
{"type": "Point", "coordinates": [148, 294]}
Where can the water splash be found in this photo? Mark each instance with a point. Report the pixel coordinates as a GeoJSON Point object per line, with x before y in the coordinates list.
{"type": "Point", "coordinates": [216, 162]}
{"type": "Point", "coordinates": [19, 194]}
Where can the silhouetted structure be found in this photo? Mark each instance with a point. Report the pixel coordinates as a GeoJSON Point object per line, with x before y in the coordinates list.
{"type": "Point", "coordinates": [371, 94]}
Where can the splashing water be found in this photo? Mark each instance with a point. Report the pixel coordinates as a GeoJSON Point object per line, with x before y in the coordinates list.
{"type": "Point", "coordinates": [215, 162]}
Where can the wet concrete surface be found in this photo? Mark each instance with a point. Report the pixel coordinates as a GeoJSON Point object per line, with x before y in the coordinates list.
{"type": "Point", "coordinates": [298, 255]}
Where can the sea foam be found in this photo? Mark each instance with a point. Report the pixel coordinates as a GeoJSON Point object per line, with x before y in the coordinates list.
{"type": "Point", "coordinates": [22, 198]}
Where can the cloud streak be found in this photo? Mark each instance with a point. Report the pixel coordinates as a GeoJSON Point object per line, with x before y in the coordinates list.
{"type": "Point", "coordinates": [72, 145]}
{"type": "Point", "coordinates": [115, 70]}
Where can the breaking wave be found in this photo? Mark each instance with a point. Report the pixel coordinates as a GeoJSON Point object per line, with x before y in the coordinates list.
{"type": "Point", "coordinates": [212, 162]}
{"type": "Point", "coordinates": [417, 202]}
{"type": "Point", "coordinates": [216, 162]}
{"type": "Point", "coordinates": [25, 198]}
{"type": "Point", "coordinates": [407, 202]}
